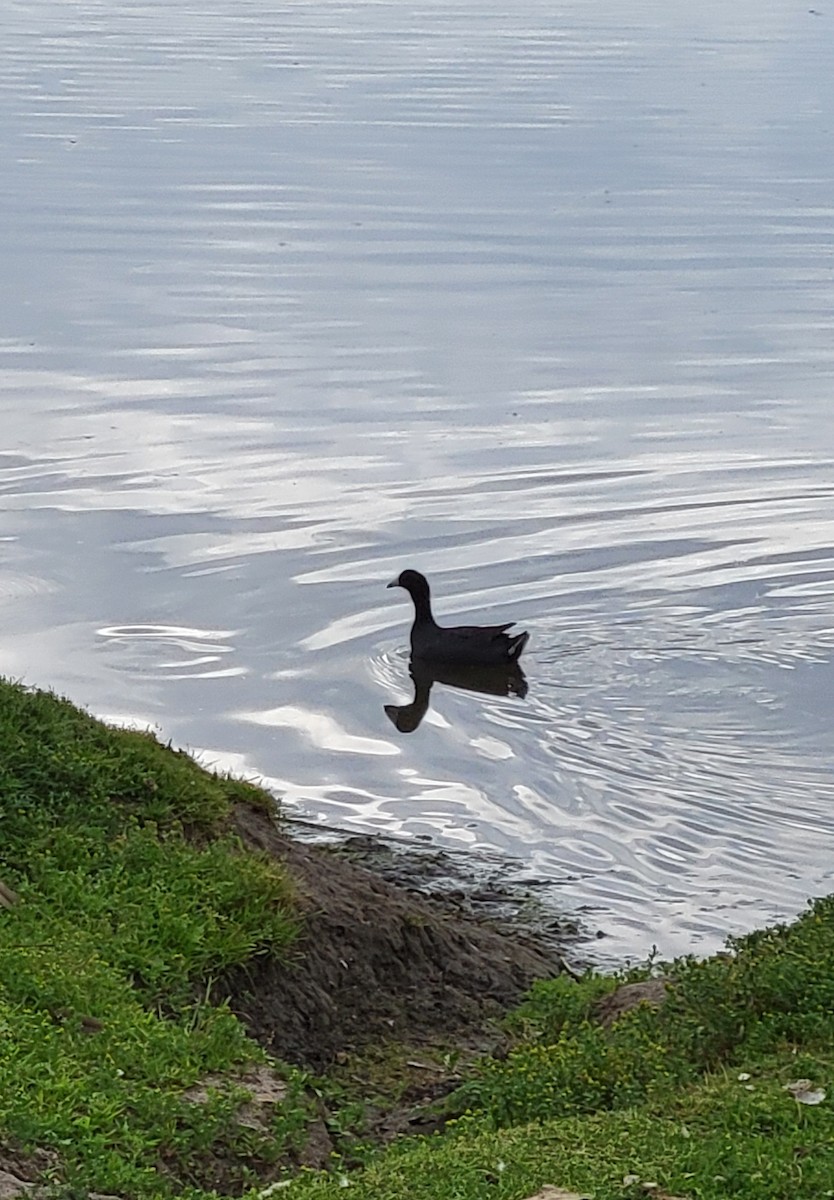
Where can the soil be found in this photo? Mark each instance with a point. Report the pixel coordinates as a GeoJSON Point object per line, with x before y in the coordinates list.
{"type": "Point", "coordinates": [378, 962]}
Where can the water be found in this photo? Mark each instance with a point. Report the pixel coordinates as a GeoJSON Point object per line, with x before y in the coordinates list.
{"type": "Point", "coordinates": [540, 302]}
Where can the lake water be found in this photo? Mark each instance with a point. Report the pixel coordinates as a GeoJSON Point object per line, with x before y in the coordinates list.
{"type": "Point", "coordinates": [538, 299]}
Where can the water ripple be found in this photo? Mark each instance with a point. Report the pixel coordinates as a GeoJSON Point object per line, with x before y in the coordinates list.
{"type": "Point", "coordinates": [148, 649]}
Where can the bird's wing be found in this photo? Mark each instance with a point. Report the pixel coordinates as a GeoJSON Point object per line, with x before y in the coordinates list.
{"type": "Point", "coordinates": [477, 633]}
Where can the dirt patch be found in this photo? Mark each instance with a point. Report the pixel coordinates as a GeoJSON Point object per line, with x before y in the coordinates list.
{"type": "Point", "coordinates": [376, 962]}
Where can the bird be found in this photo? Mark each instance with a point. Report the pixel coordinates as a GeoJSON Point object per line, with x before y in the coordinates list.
{"type": "Point", "coordinates": [475, 645]}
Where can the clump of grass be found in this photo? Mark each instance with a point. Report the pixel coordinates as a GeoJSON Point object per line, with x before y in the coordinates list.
{"type": "Point", "coordinates": [165, 912]}
{"type": "Point", "coordinates": [556, 1004]}
{"type": "Point", "coordinates": [775, 990]}
{"type": "Point", "coordinates": [133, 898]}
{"type": "Point", "coordinates": [59, 764]}
{"type": "Point", "coordinates": [116, 834]}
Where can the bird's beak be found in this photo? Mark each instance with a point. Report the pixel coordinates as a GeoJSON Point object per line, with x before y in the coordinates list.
{"type": "Point", "coordinates": [393, 583]}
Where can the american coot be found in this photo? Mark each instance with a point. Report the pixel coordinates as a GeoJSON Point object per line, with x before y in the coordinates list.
{"type": "Point", "coordinates": [505, 680]}
{"type": "Point", "coordinates": [476, 645]}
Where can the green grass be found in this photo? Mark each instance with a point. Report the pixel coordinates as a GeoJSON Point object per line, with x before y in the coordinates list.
{"type": "Point", "coordinates": [710, 1143]}
{"type": "Point", "coordinates": [775, 992]}
{"type": "Point", "coordinates": [133, 898]}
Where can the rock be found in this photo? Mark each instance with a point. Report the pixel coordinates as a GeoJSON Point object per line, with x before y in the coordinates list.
{"type": "Point", "coordinates": [11, 1186]}
{"type": "Point", "coordinates": [318, 1148]}
{"type": "Point", "coordinates": [617, 1003]}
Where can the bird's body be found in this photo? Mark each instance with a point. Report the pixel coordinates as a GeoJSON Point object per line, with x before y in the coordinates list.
{"type": "Point", "coordinates": [476, 645]}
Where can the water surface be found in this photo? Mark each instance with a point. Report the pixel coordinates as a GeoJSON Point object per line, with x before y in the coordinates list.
{"type": "Point", "coordinates": [539, 302]}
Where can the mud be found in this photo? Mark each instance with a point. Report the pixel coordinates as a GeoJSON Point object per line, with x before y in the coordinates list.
{"type": "Point", "coordinates": [379, 960]}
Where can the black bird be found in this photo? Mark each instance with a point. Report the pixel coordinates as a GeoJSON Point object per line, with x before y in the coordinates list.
{"type": "Point", "coordinates": [475, 645]}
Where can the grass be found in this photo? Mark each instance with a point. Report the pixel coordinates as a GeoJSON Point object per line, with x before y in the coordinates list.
{"type": "Point", "coordinates": [134, 897]}
{"type": "Point", "coordinates": [690, 1097]}
{"type": "Point", "coordinates": [717, 1142]}
{"type": "Point", "coordinates": [775, 992]}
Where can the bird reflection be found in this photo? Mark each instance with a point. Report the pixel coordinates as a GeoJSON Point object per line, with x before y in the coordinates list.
{"type": "Point", "coordinates": [492, 681]}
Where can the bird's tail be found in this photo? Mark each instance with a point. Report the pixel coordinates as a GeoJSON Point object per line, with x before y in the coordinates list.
{"type": "Point", "coordinates": [517, 644]}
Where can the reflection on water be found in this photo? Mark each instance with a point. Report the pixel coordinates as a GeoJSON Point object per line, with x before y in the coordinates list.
{"type": "Point", "coordinates": [491, 681]}
{"type": "Point", "coordinates": [535, 298]}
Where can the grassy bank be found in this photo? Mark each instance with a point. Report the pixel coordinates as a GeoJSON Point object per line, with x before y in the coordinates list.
{"type": "Point", "coordinates": [135, 896]}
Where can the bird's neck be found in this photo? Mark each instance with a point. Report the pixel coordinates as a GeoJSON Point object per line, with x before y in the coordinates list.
{"type": "Point", "coordinates": [422, 608]}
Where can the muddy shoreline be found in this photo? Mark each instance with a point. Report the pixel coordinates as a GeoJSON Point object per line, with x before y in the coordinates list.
{"type": "Point", "coordinates": [398, 944]}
